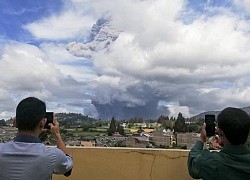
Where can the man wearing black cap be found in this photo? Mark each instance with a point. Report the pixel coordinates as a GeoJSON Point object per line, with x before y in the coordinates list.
{"type": "Point", "coordinates": [233, 161]}
{"type": "Point", "coordinates": [26, 157]}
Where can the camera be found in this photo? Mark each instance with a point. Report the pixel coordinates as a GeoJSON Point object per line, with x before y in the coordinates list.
{"type": "Point", "coordinates": [210, 124]}
{"type": "Point", "coordinates": [50, 118]}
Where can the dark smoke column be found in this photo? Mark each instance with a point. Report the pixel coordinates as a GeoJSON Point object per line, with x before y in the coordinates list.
{"type": "Point", "coordinates": [120, 111]}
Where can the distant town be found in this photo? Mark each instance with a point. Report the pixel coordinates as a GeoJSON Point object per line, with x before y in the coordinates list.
{"type": "Point", "coordinates": [83, 131]}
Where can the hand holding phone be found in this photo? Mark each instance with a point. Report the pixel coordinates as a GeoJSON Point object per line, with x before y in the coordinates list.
{"type": "Point", "coordinates": [50, 118]}
{"type": "Point", "coordinates": [210, 124]}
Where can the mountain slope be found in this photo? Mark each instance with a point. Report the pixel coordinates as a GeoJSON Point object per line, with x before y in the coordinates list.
{"type": "Point", "coordinates": [202, 115]}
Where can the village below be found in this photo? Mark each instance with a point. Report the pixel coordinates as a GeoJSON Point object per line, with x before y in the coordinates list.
{"type": "Point", "coordinates": [83, 131]}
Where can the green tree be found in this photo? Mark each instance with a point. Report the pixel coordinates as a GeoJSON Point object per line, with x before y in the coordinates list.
{"type": "Point", "coordinates": [120, 129]}
{"type": "Point", "coordinates": [193, 128]}
{"type": "Point", "coordinates": [112, 127]}
{"type": "Point", "coordinates": [2, 122]}
{"type": "Point", "coordinates": [135, 120]}
{"type": "Point", "coordinates": [180, 125]}
{"type": "Point", "coordinates": [162, 118]}
{"type": "Point", "coordinates": [167, 124]}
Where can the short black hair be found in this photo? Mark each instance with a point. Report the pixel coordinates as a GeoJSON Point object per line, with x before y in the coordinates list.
{"type": "Point", "coordinates": [29, 113]}
{"type": "Point", "coordinates": [235, 123]}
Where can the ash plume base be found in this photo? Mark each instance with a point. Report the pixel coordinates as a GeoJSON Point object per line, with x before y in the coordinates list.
{"type": "Point", "coordinates": [120, 111]}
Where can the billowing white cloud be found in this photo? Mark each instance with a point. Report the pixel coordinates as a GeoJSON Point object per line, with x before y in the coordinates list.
{"type": "Point", "coordinates": [77, 67]}
{"type": "Point", "coordinates": [245, 4]}
{"type": "Point", "coordinates": [68, 25]}
{"type": "Point", "coordinates": [29, 71]}
{"type": "Point", "coordinates": [198, 62]}
{"type": "Point", "coordinates": [177, 59]}
{"type": "Point", "coordinates": [25, 72]}
{"type": "Point", "coordinates": [175, 110]}
{"type": "Point", "coordinates": [24, 67]}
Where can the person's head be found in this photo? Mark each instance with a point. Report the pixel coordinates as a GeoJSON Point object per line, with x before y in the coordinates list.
{"type": "Point", "coordinates": [234, 124]}
{"type": "Point", "coordinates": [29, 113]}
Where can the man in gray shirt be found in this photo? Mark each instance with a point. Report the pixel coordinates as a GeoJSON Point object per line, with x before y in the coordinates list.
{"type": "Point", "coordinates": [26, 157]}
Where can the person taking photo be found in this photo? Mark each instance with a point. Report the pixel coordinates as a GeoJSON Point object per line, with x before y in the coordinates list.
{"type": "Point", "coordinates": [232, 162]}
{"type": "Point", "coordinates": [26, 157]}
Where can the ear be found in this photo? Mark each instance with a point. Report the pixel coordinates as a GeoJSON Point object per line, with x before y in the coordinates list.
{"type": "Point", "coordinates": [43, 122]}
{"type": "Point", "coordinates": [14, 122]}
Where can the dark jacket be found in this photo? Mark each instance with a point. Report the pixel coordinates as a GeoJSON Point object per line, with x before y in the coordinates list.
{"type": "Point", "coordinates": [231, 163]}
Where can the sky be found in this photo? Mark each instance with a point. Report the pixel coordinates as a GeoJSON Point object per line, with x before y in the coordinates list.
{"type": "Point", "coordinates": [186, 56]}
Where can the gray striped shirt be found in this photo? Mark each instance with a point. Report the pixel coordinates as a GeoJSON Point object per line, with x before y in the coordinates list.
{"type": "Point", "coordinates": [32, 161]}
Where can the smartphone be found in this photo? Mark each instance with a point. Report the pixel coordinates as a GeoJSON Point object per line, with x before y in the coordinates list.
{"type": "Point", "coordinates": [210, 124]}
{"type": "Point", "coordinates": [50, 117]}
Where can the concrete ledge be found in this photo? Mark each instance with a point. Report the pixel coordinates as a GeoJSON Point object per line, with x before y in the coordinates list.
{"type": "Point", "coordinates": [128, 164]}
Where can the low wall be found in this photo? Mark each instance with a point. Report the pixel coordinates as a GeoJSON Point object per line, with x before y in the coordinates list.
{"type": "Point", "coordinates": [127, 164]}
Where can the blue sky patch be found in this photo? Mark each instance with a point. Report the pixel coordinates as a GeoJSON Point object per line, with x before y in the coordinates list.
{"type": "Point", "coordinates": [15, 14]}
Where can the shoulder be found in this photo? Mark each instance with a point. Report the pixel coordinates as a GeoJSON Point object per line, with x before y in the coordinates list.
{"type": "Point", "coordinates": [209, 155]}
{"type": "Point", "coordinates": [54, 150]}
{"type": "Point", "coordinates": [212, 155]}
{"type": "Point", "coordinates": [59, 154]}
{"type": "Point", "coordinates": [206, 158]}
